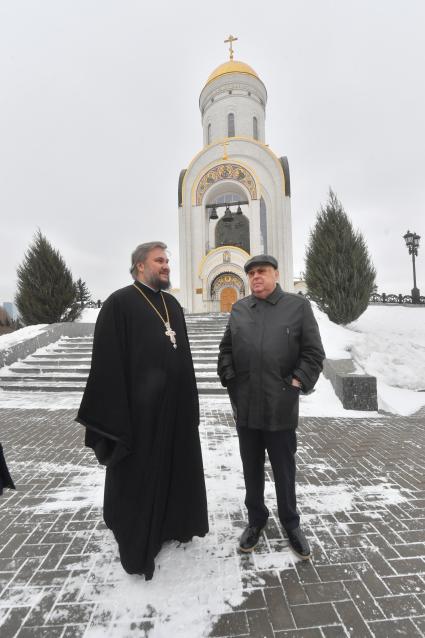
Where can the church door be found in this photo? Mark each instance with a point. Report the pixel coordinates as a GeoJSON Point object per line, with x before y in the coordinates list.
{"type": "Point", "coordinates": [228, 296]}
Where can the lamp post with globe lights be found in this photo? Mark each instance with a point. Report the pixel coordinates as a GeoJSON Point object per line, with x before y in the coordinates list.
{"type": "Point", "coordinates": [412, 243]}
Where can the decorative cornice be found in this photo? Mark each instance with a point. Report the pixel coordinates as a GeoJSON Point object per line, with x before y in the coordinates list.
{"type": "Point", "coordinates": [225, 171]}
{"type": "Point", "coordinates": [222, 249]}
{"type": "Point", "coordinates": [230, 140]}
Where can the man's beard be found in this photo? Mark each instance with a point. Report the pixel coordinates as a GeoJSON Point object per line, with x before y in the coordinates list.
{"type": "Point", "coordinates": [154, 281]}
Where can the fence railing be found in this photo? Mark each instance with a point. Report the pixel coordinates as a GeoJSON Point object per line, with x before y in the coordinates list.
{"type": "Point", "coordinates": [394, 299]}
{"type": "Point", "coordinates": [374, 298]}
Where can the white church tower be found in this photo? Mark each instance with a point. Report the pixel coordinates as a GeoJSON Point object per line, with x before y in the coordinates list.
{"type": "Point", "coordinates": [234, 198]}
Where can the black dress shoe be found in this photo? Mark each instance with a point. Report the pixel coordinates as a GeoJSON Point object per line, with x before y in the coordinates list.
{"type": "Point", "coordinates": [299, 543]}
{"type": "Point", "coordinates": [250, 537]}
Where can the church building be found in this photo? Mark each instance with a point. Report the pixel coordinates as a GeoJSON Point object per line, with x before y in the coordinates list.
{"type": "Point", "coordinates": [235, 197]}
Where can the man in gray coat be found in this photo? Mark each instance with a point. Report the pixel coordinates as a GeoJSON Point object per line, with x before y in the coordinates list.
{"type": "Point", "coordinates": [271, 350]}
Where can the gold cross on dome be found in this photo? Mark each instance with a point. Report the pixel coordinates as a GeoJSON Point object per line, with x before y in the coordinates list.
{"type": "Point", "coordinates": [230, 40]}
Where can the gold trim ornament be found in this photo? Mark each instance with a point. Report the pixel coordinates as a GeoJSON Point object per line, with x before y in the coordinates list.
{"type": "Point", "coordinates": [235, 172]}
{"type": "Point", "coordinates": [169, 332]}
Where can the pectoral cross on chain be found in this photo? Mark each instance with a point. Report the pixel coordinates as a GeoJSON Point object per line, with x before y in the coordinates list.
{"type": "Point", "coordinates": [171, 334]}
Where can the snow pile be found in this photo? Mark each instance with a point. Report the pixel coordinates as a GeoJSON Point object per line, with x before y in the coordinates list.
{"type": "Point", "coordinates": [337, 340]}
{"type": "Point", "coordinates": [12, 338]}
{"type": "Point", "coordinates": [387, 342]}
{"type": "Point", "coordinates": [392, 345]}
{"type": "Point", "coordinates": [89, 315]}
{"type": "Point", "coordinates": [323, 402]}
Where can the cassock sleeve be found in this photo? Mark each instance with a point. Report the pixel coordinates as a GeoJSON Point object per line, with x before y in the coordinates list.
{"type": "Point", "coordinates": [5, 478]}
{"type": "Point", "coordinates": [104, 409]}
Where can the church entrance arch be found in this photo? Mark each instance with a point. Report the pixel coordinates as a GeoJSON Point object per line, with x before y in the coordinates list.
{"type": "Point", "coordinates": [228, 296]}
{"type": "Point", "coordinates": [227, 288]}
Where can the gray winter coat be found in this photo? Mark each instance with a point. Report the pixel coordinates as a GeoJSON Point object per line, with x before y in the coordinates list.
{"type": "Point", "coordinates": [266, 343]}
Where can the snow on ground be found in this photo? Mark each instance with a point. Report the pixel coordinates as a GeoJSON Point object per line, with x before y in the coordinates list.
{"type": "Point", "coordinates": [193, 582]}
{"type": "Point", "coordinates": [40, 400]}
{"type": "Point", "coordinates": [89, 315]}
{"type": "Point", "coordinates": [12, 338]}
{"type": "Point", "coordinates": [387, 342]}
{"type": "Point", "coordinates": [197, 581]}
{"type": "Point", "coordinates": [323, 402]}
{"type": "Point", "coordinates": [392, 345]}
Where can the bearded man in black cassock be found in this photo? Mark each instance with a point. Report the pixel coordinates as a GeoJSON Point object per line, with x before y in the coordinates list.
{"type": "Point", "coordinates": [141, 413]}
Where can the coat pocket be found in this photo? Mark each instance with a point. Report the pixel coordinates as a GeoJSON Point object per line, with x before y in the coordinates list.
{"type": "Point", "coordinates": [289, 398]}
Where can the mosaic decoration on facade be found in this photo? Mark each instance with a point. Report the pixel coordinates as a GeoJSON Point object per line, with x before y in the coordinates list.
{"type": "Point", "coordinates": [224, 281]}
{"type": "Point", "coordinates": [226, 171]}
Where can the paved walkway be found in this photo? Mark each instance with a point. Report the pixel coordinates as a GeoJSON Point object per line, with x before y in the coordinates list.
{"type": "Point", "coordinates": [361, 487]}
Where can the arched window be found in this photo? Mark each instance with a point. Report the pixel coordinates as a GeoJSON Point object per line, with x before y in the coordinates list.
{"type": "Point", "coordinates": [255, 128]}
{"type": "Point", "coordinates": [209, 134]}
{"type": "Point", "coordinates": [231, 125]}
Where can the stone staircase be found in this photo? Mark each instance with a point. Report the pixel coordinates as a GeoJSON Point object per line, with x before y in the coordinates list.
{"type": "Point", "coordinates": [205, 332]}
{"type": "Point", "coordinates": [63, 366]}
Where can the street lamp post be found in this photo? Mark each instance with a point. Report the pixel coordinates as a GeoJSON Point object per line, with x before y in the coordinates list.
{"type": "Point", "coordinates": [412, 243]}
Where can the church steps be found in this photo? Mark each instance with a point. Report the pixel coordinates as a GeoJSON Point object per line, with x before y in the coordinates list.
{"type": "Point", "coordinates": [205, 366]}
{"type": "Point", "coordinates": [26, 366]}
{"type": "Point", "coordinates": [44, 377]}
{"type": "Point", "coordinates": [210, 339]}
{"type": "Point", "coordinates": [203, 346]}
{"type": "Point", "coordinates": [44, 387]}
{"type": "Point", "coordinates": [64, 366]}
{"type": "Point", "coordinates": [210, 388]}
{"type": "Point", "coordinates": [62, 353]}
{"type": "Point", "coordinates": [59, 371]}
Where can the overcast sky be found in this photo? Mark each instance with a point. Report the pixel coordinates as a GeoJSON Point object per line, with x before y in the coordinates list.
{"type": "Point", "coordinates": [99, 113]}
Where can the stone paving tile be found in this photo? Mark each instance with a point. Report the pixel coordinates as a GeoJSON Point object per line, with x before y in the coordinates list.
{"type": "Point", "coordinates": [259, 624]}
{"type": "Point", "coordinates": [233, 624]}
{"type": "Point", "coordinates": [300, 633]}
{"type": "Point", "coordinates": [400, 627]}
{"type": "Point", "coordinates": [314, 615]}
{"type": "Point", "coordinates": [367, 576]}
{"type": "Point", "coordinates": [279, 613]}
{"type": "Point", "coordinates": [352, 619]}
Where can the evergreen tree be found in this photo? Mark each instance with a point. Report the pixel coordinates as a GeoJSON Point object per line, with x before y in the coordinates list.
{"type": "Point", "coordinates": [46, 290]}
{"type": "Point", "coordinates": [339, 272]}
{"type": "Point", "coordinates": [83, 294]}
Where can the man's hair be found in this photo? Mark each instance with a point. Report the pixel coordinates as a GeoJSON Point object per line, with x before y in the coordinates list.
{"type": "Point", "coordinates": [140, 254]}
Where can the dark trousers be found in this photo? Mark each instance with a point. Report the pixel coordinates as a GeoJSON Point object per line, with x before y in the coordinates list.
{"type": "Point", "coordinates": [281, 447]}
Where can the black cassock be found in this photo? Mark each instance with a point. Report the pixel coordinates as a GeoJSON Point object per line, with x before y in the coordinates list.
{"type": "Point", "coordinates": [5, 478]}
{"type": "Point", "coordinates": [141, 412]}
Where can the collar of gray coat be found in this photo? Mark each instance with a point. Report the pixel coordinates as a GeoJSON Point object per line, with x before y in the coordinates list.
{"type": "Point", "coordinates": [273, 298]}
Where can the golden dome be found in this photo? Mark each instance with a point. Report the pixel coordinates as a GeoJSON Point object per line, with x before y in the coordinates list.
{"type": "Point", "coordinates": [232, 66]}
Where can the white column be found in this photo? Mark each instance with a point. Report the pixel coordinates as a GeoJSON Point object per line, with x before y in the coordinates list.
{"type": "Point", "coordinates": [254, 227]}
{"type": "Point", "coordinates": [285, 247]}
{"type": "Point", "coordinates": [195, 252]}
{"type": "Point", "coordinates": [182, 255]}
